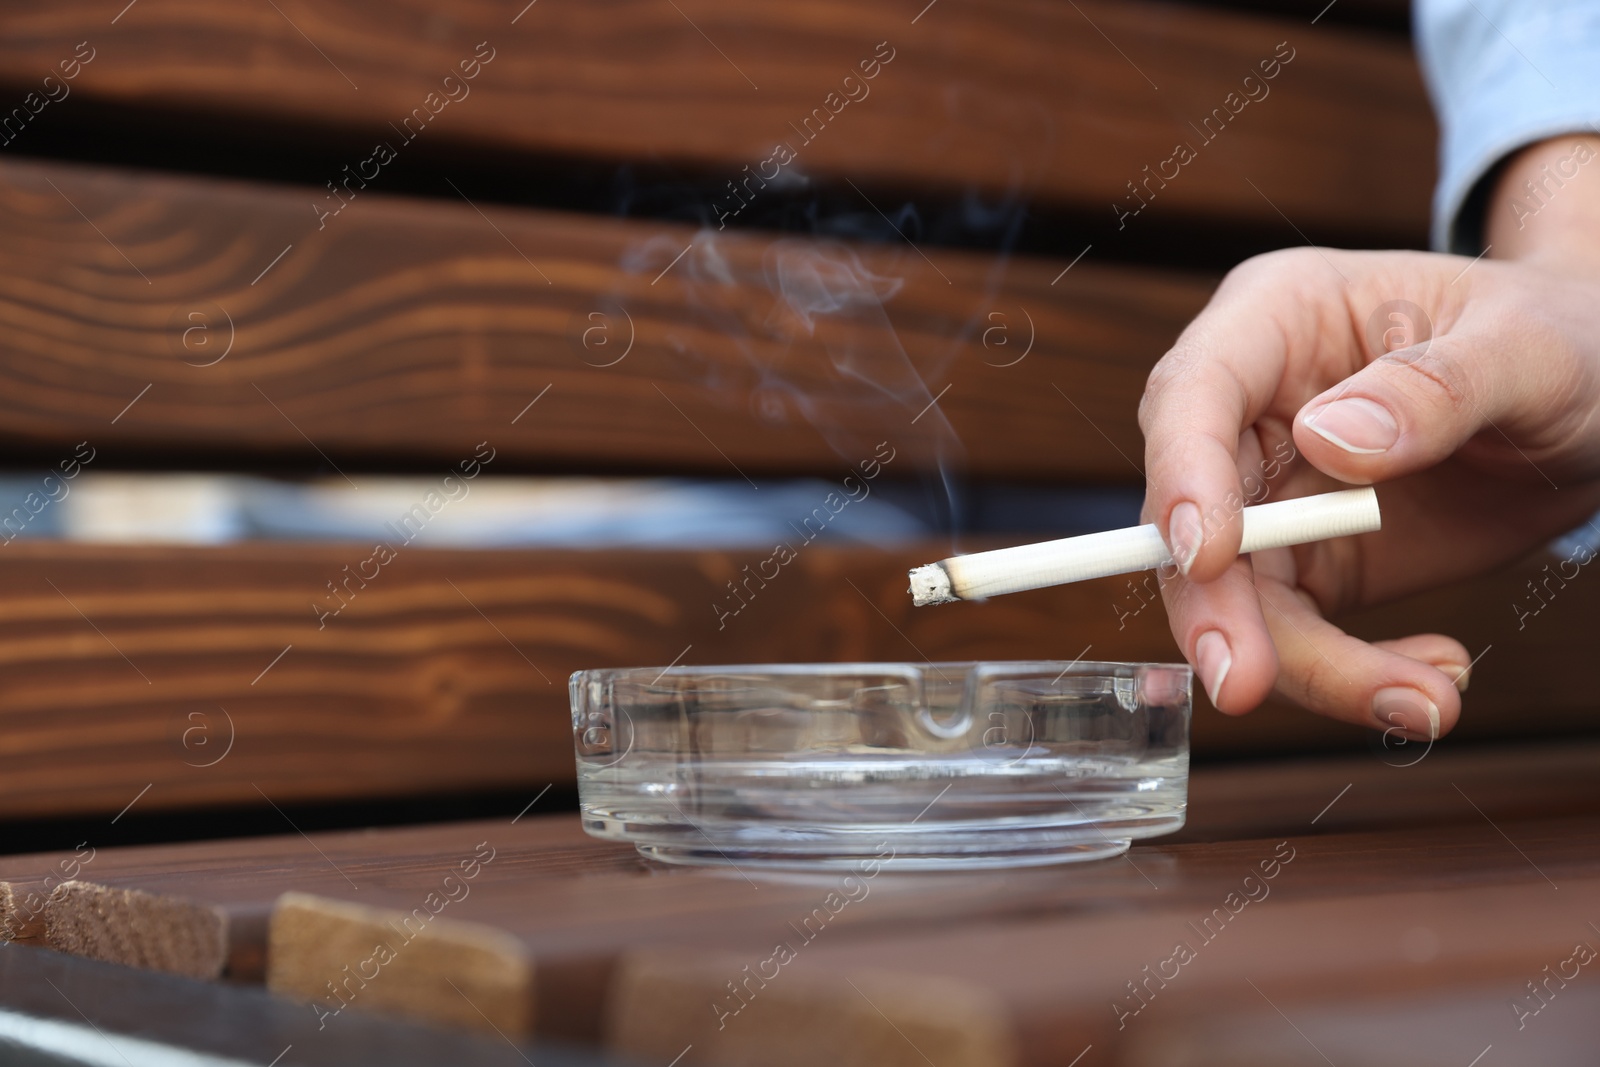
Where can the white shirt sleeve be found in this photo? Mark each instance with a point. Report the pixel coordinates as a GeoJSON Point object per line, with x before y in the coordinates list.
{"type": "Point", "coordinates": [1503, 74]}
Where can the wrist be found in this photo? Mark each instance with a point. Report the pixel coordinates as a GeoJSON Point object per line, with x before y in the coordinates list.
{"type": "Point", "coordinates": [1544, 208]}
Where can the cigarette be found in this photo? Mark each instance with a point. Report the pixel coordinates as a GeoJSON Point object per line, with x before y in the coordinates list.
{"type": "Point", "coordinates": [1137, 548]}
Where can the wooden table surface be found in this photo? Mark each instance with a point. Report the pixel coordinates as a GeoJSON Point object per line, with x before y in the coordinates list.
{"type": "Point", "coordinates": [1333, 871]}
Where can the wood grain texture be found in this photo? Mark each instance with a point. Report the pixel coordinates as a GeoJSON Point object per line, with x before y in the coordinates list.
{"type": "Point", "coordinates": [20, 918]}
{"type": "Point", "coordinates": [245, 877]}
{"type": "Point", "coordinates": [178, 677]}
{"type": "Point", "coordinates": [1439, 1028]}
{"type": "Point", "coordinates": [127, 681]}
{"type": "Point", "coordinates": [137, 928]}
{"type": "Point", "coordinates": [399, 962]}
{"type": "Point", "coordinates": [409, 331]}
{"type": "Point", "coordinates": [154, 929]}
{"type": "Point", "coordinates": [1060, 103]}
{"type": "Point", "coordinates": [1061, 982]}
{"type": "Point", "coordinates": [874, 1017]}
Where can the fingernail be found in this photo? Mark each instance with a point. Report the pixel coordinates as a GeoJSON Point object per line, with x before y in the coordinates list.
{"type": "Point", "coordinates": [1459, 673]}
{"type": "Point", "coordinates": [1355, 425]}
{"type": "Point", "coordinates": [1213, 659]}
{"type": "Point", "coordinates": [1407, 708]}
{"type": "Point", "coordinates": [1184, 535]}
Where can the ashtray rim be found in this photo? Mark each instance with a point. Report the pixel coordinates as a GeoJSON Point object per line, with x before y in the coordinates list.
{"type": "Point", "coordinates": [1076, 666]}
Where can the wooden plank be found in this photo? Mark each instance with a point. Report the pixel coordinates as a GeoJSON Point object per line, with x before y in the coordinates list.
{"type": "Point", "coordinates": [1423, 1027]}
{"type": "Point", "coordinates": [400, 963]}
{"type": "Point", "coordinates": [533, 928]}
{"type": "Point", "coordinates": [1067, 105]}
{"type": "Point", "coordinates": [1043, 992]}
{"type": "Point", "coordinates": [137, 928]}
{"type": "Point", "coordinates": [128, 680]}
{"type": "Point", "coordinates": [1420, 1028]}
{"type": "Point", "coordinates": [191, 314]}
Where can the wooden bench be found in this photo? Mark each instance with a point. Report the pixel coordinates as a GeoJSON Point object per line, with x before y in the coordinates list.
{"type": "Point", "coordinates": [354, 240]}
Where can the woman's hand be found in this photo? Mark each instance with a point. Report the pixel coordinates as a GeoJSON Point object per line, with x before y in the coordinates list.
{"type": "Point", "coordinates": [1469, 391]}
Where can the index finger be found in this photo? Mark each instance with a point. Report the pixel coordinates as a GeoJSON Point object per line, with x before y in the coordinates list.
{"type": "Point", "coordinates": [1219, 377]}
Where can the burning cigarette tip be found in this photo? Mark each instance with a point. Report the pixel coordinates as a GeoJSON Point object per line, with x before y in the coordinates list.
{"type": "Point", "coordinates": [931, 585]}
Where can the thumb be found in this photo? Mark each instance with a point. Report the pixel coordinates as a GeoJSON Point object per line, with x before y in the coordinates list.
{"type": "Point", "coordinates": [1413, 408]}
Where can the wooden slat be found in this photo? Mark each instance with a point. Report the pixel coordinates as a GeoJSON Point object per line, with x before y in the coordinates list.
{"type": "Point", "coordinates": [1042, 992]}
{"type": "Point", "coordinates": [446, 673]}
{"type": "Point", "coordinates": [142, 663]}
{"type": "Point", "coordinates": [411, 331]}
{"type": "Point", "coordinates": [1070, 103]}
{"type": "Point", "coordinates": [1421, 1028]}
{"type": "Point", "coordinates": [131, 926]}
{"type": "Point", "coordinates": [553, 909]}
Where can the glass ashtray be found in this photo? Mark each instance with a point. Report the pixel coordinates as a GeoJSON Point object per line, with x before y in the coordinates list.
{"type": "Point", "coordinates": [939, 765]}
